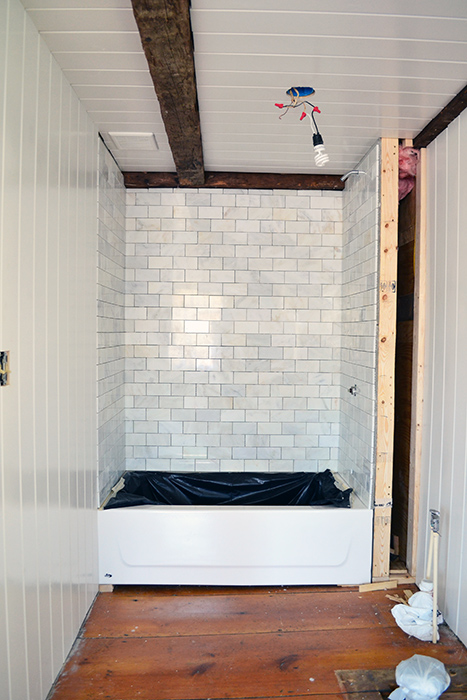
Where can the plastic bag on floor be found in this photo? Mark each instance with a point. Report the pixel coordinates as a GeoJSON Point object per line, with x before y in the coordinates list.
{"type": "Point", "coordinates": [420, 678]}
{"type": "Point", "coordinates": [416, 618]}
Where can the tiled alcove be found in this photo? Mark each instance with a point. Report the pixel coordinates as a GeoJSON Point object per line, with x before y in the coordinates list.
{"type": "Point", "coordinates": [248, 314]}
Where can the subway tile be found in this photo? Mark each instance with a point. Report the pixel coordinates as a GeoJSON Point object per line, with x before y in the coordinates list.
{"type": "Point", "coordinates": [231, 212]}
{"type": "Point", "coordinates": [159, 211]}
{"type": "Point", "coordinates": [136, 211]}
{"type": "Point", "coordinates": [247, 225]}
{"type": "Point", "coordinates": [223, 200]}
{"type": "Point", "coordinates": [277, 276]}
{"type": "Point", "coordinates": [198, 199]}
{"type": "Point", "coordinates": [222, 225]}
{"type": "Point", "coordinates": [147, 198]}
{"type": "Point", "coordinates": [211, 212]}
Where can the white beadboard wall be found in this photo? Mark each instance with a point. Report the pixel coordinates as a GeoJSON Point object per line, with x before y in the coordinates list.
{"type": "Point", "coordinates": [233, 329]}
{"type": "Point", "coordinates": [111, 320]}
{"type": "Point", "coordinates": [444, 449]}
{"type": "Point", "coordinates": [48, 446]}
{"type": "Point", "coordinates": [359, 325]}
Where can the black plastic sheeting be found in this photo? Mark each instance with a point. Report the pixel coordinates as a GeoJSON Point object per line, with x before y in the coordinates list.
{"type": "Point", "coordinates": [230, 488]}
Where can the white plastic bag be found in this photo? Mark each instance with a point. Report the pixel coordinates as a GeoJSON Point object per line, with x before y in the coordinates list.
{"type": "Point", "coordinates": [416, 618]}
{"type": "Point", "coordinates": [420, 678]}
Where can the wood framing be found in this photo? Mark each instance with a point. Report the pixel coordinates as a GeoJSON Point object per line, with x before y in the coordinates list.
{"type": "Point", "coordinates": [418, 364]}
{"type": "Point", "coordinates": [247, 181]}
{"type": "Point", "coordinates": [442, 120]}
{"type": "Point", "coordinates": [386, 356]}
{"type": "Point", "coordinates": [165, 30]}
{"type": "Point", "coordinates": [403, 374]}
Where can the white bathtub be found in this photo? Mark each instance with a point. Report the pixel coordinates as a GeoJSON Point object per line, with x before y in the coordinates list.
{"type": "Point", "coordinates": [235, 545]}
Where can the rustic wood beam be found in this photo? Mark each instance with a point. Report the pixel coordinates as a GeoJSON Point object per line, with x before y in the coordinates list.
{"type": "Point", "coordinates": [442, 120]}
{"type": "Point", "coordinates": [243, 181]}
{"type": "Point", "coordinates": [165, 29]}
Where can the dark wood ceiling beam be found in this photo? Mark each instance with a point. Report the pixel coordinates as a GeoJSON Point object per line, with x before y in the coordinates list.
{"type": "Point", "coordinates": [442, 120]}
{"type": "Point", "coordinates": [165, 30]}
{"type": "Point", "coordinates": [243, 181]}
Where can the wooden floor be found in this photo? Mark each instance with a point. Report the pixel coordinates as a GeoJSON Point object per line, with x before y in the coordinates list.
{"type": "Point", "coordinates": [177, 643]}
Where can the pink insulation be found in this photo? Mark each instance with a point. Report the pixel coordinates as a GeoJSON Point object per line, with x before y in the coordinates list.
{"type": "Point", "coordinates": [408, 162]}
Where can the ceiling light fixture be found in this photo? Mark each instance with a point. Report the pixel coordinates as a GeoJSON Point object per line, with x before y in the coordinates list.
{"type": "Point", "coordinates": [321, 157]}
{"type": "Point", "coordinates": [298, 97]}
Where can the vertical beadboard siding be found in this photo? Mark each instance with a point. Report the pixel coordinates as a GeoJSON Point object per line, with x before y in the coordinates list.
{"type": "Point", "coordinates": [359, 321]}
{"type": "Point", "coordinates": [233, 329]}
{"type": "Point", "coordinates": [4, 656]}
{"type": "Point", "coordinates": [111, 308]}
{"type": "Point", "coordinates": [48, 195]}
{"type": "Point", "coordinates": [444, 449]}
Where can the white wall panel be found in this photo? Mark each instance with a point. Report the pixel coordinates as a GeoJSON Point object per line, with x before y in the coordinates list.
{"type": "Point", "coordinates": [48, 198]}
{"type": "Point", "coordinates": [444, 455]}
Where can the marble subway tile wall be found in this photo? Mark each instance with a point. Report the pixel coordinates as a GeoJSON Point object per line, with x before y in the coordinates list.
{"type": "Point", "coordinates": [359, 325]}
{"type": "Point", "coordinates": [233, 329]}
{"type": "Point", "coordinates": [111, 331]}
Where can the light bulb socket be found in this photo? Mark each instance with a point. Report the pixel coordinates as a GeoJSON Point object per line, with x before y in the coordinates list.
{"type": "Point", "coordinates": [317, 140]}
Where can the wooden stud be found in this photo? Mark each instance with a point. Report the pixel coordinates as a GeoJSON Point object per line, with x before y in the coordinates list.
{"type": "Point", "coordinates": [165, 29]}
{"type": "Point", "coordinates": [418, 363]}
{"type": "Point", "coordinates": [402, 579]}
{"type": "Point", "coordinates": [243, 181]}
{"type": "Point", "coordinates": [377, 586]}
{"type": "Point", "coordinates": [386, 356]}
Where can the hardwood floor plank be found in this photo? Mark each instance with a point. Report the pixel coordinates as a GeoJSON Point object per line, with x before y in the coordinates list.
{"type": "Point", "coordinates": [117, 615]}
{"type": "Point", "coordinates": [192, 643]}
{"type": "Point", "coordinates": [237, 666]}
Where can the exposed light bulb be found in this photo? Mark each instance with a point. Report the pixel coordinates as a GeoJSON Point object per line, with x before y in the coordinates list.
{"type": "Point", "coordinates": [321, 157]}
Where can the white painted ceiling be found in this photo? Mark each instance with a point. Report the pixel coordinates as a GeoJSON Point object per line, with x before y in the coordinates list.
{"type": "Point", "coordinates": [379, 68]}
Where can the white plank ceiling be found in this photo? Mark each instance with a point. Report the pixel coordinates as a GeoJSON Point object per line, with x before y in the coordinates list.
{"type": "Point", "coordinates": [379, 68]}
